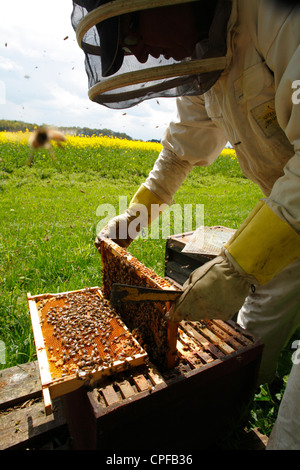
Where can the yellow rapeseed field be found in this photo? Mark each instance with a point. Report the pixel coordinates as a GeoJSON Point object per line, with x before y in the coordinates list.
{"type": "Point", "coordinates": [82, 141]}
{"type": "Point", "coordinates": [18, 137]}
{"type": "Point", "coordinates": [104, 141]}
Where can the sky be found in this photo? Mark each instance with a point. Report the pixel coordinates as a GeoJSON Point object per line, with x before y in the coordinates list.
{"type": "Point", "coordinates": [43, 78]}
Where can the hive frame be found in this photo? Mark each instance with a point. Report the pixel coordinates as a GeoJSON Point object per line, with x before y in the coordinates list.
{"type": "Point", "coordinates": [109, 247]}
{"type": "Point", "coordinates": [52, 388]}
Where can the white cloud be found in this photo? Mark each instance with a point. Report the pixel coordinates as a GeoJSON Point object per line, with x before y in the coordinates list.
{"type": "Point", "coordinates": [9, 65]}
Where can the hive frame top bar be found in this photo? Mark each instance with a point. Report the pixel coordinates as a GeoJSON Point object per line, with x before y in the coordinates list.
{"type": "Point", "coordinates": [61, 294]}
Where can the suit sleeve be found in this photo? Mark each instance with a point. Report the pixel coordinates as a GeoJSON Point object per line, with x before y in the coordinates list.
{"type": "Point", "coordinates": [193, 140]}
{"type": "Point", "coordinates": [278, 34]}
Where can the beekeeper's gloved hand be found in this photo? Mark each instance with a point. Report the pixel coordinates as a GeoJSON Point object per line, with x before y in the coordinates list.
{"type": "Point", "coordinates": [143, 209]}
{"type": "Point", "coordinates": [260, 249]}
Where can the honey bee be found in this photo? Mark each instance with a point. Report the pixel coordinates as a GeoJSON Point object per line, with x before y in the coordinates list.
{"type": "Point", "coordinates": [43, 138]}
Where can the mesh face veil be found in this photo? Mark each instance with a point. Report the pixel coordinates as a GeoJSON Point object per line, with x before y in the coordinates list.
{"type": "Point", "coordinates": [117, 79]}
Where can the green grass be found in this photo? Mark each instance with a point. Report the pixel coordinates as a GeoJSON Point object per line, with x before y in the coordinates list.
{"type": "Point", "coordinates": [48, 225]}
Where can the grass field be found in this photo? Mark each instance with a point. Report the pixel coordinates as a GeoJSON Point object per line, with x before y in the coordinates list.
{"type": "Point", "coordinates": [48, 220]}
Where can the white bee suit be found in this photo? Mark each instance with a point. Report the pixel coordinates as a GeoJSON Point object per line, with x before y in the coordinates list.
{"type": "Point", "coordinates": [285, 433]}
{"type": "Point", "coordinates": [252, 106]}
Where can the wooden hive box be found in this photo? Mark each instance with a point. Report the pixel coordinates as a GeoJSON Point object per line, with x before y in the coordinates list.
{"type": "Point", "coordinates": [192, 406]}
{"type": "Point", "coordinates": [179, 264]}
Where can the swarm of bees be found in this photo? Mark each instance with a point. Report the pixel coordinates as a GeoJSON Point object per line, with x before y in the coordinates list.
{"type": "Point", "coordinates": [43, 138]}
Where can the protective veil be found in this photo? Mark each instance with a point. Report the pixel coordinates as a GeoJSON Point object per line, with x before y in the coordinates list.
{"type": "Point", "coordinates": [118, 80]}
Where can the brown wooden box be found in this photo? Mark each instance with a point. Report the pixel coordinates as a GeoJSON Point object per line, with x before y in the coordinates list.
{"type": "Point", "coordinates": [179, 265]}
{"type": "Point", "coordinates": [192, 406]}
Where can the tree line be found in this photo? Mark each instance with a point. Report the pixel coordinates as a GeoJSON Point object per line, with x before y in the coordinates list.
{"type": "Point", "coordinates": [16, 126]}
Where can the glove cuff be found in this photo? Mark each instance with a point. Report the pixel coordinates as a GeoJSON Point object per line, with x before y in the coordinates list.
{"type": "Point", "coordinates": [263, 245]}
{"type": "Point", "coordinates": [251, 280]}
{"type": "Point", "coordinates": [215, 290]}
{"type": "Point", "coordinates": [147, 203]}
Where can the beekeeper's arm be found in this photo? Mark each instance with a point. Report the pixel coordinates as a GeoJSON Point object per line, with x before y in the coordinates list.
{"type": "Point", "coordinates": [190, 141]}
{"type": "Point", "coordinates": [269, 240]}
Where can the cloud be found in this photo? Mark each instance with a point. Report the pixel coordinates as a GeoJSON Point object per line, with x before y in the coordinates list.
{"type": "Point", "coordinates": [44, 80]}
{"type": "Point", "coordinates": [8, 65]}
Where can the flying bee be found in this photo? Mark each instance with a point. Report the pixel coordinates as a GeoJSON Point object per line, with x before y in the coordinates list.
{"type": "Point", "coordinates": [43, 138]}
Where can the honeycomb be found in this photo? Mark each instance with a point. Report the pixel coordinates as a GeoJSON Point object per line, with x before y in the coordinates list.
{"type": "Point", "coordinates": [83, 334]}
{"type": "Point", "coordinates": [146, 320]}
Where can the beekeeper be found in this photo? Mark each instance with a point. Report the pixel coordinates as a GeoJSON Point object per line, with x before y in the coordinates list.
{"type": "Point", "coordinates": [234, 66]}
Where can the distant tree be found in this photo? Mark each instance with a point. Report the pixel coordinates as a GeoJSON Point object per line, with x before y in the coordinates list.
{"type": "Point", "coordinates": [16, 126]}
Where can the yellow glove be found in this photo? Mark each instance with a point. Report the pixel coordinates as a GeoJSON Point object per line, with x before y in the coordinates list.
{"type": "Point", "coordinates": [123, 228]}
{"type": "Point", "coordinates": [260, 249]}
